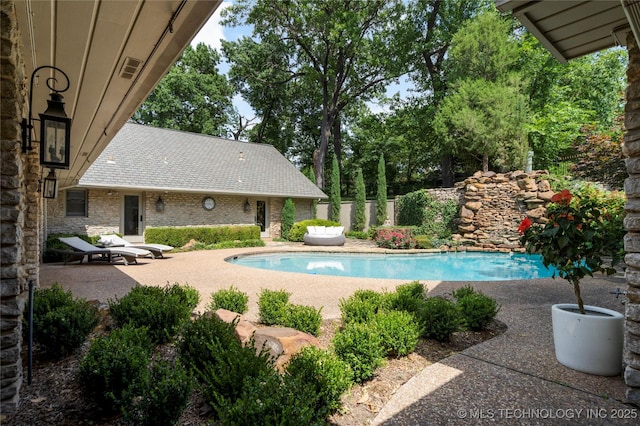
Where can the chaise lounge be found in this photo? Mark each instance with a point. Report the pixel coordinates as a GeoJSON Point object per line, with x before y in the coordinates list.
{"type": "Point", "coordinates": [324, 236]}
{"type": "Point", "coordinates": [81, 248]}
{"type": "Point", "coordinates": [113, 240]}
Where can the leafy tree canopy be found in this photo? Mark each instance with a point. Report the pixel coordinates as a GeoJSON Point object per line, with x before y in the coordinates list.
{"type": "Point", "coordinates": [193, 96]}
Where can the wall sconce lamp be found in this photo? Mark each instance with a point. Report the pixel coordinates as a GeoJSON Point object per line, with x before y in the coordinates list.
{"type": "Point", "coordinates": [50, 189]}
{"type": "Point", "coordinates": [247, 206]}
{"type": "Point", "coordinates": [159, 205]}
{"type": "Point", "coordinates": [55, 127]}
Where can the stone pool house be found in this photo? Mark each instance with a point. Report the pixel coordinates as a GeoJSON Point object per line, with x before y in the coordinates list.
{"type": "Point", "coordinates": [116, 52]}
{"type": "Point", "coordinates": [153, 177]}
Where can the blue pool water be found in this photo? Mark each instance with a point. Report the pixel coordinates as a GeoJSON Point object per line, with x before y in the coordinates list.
{"type": "Point", "coordinates": [460, 266]}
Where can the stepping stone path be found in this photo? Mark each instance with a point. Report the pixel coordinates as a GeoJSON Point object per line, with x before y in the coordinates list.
{"type": "Point", "coordinates": [281, 342]}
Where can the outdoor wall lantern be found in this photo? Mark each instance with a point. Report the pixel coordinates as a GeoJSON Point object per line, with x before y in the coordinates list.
{"type": "Point", "coordinates": [50, 189]}
{"type": "Point", "coordinates": [55, 127]}
{"type": "Point", "coordinates": [159, 205]}
{"type": "Point", "coordinates": [247, 206]}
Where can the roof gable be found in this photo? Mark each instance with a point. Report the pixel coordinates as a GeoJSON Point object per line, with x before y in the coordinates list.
{"type": "Point", "coordinates": [150, 158]}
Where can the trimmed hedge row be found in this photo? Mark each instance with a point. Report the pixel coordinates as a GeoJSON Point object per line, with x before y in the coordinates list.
{"type": "Point", "coordinates": [178, 237]}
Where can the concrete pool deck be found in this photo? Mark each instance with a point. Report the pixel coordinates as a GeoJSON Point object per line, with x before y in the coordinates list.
{"type": "Point", "coordinates": [513, 378]}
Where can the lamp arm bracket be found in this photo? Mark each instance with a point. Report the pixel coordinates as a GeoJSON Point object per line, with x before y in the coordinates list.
{"type": "Point", "coordinates": [27, 126]}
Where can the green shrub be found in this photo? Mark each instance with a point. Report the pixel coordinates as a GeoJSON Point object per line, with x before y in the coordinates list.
{"type": "Point", "coordinates": [227, 368]}
{"type": "Point", "coordinates": [463, 292]}
{"type": "Point", "coordinates": [270, 399]}
{"type": "Point", "coordinates": [300, 228]}
{"type": "Point", "coordinates": [229, 244]}
{"type": "Point", "coordinates": [179, 236]}
{"type": "Point", "coordinates": [361, 306]}
{"type": "Point", "coordinates": [328, 375]}
{"type": "Point", "coordinates": [478, 309]}
{"type": "Point", "coordinates": [358, 235]}
{"type": "Point", "coordinates": [115, 369]}
{"type": "Point", "coordinates": [423, 242]}
{"type": "Point", "coordinates": [165, 398]}
{"type": "Point", "coordinates": [161, 310]}
{"type": "Point", "coordinates": [359, 345]}
{"type": "Point", "coordinates": [60, 322]}
{"type": "Point", "coordinates": [272, 306]}
{"type": "Point", "coordinates": [440, 318]}
{"type": "Point", "coordinates": [407, 297]}
{"type": "Point", "coordinates": [198, 334]}
{"type": "Point", "coordinates": [230, 299]}
{"type": "Point", "coordinates": [303, 318]}
{"type": "Point", "coordinates": [399, 332]}
{"type": "Point", "coordinates": [412, 208]}
{"type": "Point", "coordinates": [288, 217]}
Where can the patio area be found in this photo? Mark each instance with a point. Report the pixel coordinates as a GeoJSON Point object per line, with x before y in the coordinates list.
{"type": "Point", "coordinates": [513, 378]}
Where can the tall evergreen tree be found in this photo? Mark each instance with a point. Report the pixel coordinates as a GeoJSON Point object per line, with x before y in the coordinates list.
{"type": "Point", "coordinates": [360, 219]}
{"type": "Point", "coordinates": [335, 199]}
{"type": "Point", "coordinates": [381, 196]}
{"type": "Point", "coordinates": [483, 119]}
{"type": "Point", "coordinates": [308, 172]}
{"type": "Point", "coordinates": [288, 217]}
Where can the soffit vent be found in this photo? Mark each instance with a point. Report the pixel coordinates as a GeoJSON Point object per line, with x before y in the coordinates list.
{"type": "Point", "coordinates": [130, 67]}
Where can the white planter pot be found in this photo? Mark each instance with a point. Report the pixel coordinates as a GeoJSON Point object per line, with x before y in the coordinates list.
{"type": "Point", "coordinates": [591, 343]}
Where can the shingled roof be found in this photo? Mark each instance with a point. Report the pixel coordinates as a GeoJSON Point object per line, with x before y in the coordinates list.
{"type": "Point", "coordinates": [154, 159]}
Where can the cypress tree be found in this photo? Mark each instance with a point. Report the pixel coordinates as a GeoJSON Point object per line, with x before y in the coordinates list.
{"type": "Point", "coordinates": [288, 217]}
{"type": "Point", "coordinates": [361, 201]}
{"type": "Point", "coordinates": [381, 196]}
{"type": "Point", "coordinates": [314, 204]}
{"type": "Point", "coordinates": [334, 196]}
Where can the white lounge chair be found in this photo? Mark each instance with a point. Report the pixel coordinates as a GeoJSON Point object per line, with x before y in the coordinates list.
{"type": "Point", "coordinates": [81, 248]}
{"type": "Point", "coordinates": [113, 240]}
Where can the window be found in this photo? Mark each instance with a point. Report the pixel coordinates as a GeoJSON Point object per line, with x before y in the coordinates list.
{"type": "Point", "coordinates": [76, 203]}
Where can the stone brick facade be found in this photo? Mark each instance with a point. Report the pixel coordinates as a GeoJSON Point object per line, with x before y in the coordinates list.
{"type": "Point", "coordinates": [105, 212]}
{"type": "Point", "coordinates": [20, 210]}
{"type": "Point", "coordinates": [632, 224]}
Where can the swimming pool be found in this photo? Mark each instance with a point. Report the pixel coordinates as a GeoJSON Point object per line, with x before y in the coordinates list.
{"type": "Point", "coordinates": [457, 266]}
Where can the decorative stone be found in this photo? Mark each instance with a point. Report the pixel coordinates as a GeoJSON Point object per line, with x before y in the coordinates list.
{"type": "Point", "coordinates": [473, 205]}
{"type": "Point", "coordinates": [537, 212]}
{"type": "Point", "coordinates": [546, 195]}
{"type": "Point", "coordinates": [466, 213]}
{"type": "Point", "coordinates": [282, 342]}
{"type": "Point", "coordinates": [544, 186]}
{"type": "Point", "coordinates": [466, 228]}
{"type": "Point", "coordinates": [227, 316]}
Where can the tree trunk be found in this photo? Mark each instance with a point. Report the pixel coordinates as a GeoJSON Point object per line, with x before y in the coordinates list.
{"type": "Point", "coordinates": [325, 137]}
{"type": "Point", "coordinates": [485, 163]}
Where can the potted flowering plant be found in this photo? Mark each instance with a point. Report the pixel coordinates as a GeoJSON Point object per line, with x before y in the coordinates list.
{"type": "Point", "coordinates": [575, 240]}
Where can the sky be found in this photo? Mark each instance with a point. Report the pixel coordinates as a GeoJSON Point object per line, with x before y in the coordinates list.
{"type": "Point", "coordinates": [211, 34]}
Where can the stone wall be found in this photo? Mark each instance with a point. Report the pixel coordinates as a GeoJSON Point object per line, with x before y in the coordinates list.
{"type": "Point", "coordinates": [631, 149]}
{"type": "Point", "coordinates": [19, 210]}
{"type": "Point", "coordinates": [494, 204]}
